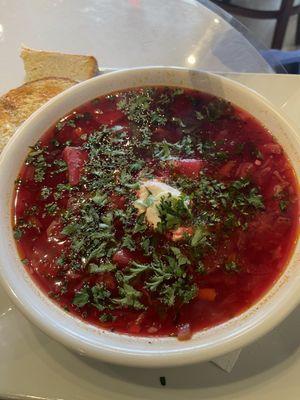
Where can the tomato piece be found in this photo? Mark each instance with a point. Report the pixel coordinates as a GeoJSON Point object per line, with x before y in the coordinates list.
{"type": "Point", "coordinates": [123, 257]}
{"type": "Point", "coordinates": [134, 328]}
{"type": "Point", "coordinates": [208, 294]}
{"type": "Point", "coordinates": [227, 168]}
{"type": "Point", "coordinates": [188, 167]}
{"type": "Point", "coordinates": [271, 148]}
{"type": "Point", "coordinates": [75, 159]}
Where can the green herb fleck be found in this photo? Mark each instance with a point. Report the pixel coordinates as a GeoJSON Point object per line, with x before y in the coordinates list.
{"type": "Point", "coordinates": [45, 192]}
{"type": "Point", "coordinates": [51, 208]}
{"type": "Point", "coordinates": [104, 267]}
{"type": "Point", "coordinates": [283, 205]}
{"type": "Point", "coordinates": [107, 318]}
{"type": "Point", "coordinates": [81, 297]}
{"type": "Point", "coordinates": [232, 266]}
{"type": "Point", "coordinates": [129, 297]}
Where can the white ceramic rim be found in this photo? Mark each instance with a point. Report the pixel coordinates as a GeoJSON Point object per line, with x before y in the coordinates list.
{"type": "Point", "coordinates": [123, 349]}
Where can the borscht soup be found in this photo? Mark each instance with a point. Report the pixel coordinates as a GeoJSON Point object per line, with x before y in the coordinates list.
{"type": "Point", "coordinates": [156, 211]}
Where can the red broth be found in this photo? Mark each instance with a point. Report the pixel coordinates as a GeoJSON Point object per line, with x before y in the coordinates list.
{"type": "Point", "coordinates": [219, 244]}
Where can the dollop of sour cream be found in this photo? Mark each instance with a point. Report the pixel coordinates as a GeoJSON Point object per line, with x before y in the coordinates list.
{"type": "Point", "coordinates": [149, 196]}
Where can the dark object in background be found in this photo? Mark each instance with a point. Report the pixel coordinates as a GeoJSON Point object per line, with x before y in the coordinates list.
{"type": "Point", "coordinates": [289, 59]}
{"type": "Point", "coordinates": [163, 381]}
{"type": "Point", "coordinates": [282, 16]}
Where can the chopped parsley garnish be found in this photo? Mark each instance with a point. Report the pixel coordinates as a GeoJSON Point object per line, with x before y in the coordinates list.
{"type": "Point", "coordinates": [22, 226]}
{"type": "Point", "coordinates": [81, 298]}
{"type": "Point", "coordinates": [107, 318]}
{"type": "Point", "coordinates": [61, 166]}
{"type": "Point", "coordinates": [173, 211]}
{"type": "Point", "coordinates": [45, 192]}
{"type": "Point", "coordinates": [169, 279]}
{"type": "Point", "coordinates": [61, 260]}
{"type": "Point", "coordinates": [209, 150]}
{"type": "Point", "coordinates": [200, 237]}
{"type": "Point", "coordinates": [98, 296]}
{"type": "Point", "coordinates": [51, 208]}
{"type": "Point", "coordinates": [135, 270]}
{"type": "Point", "coordinates": [71, 122]}
{"type": "Point", "coordinates": [128, 242]}
{"type": "Point", "coordinates": [232, 266]}
{"type": "Point", "coordinates": [283, 205]}
{"type": "Point", "coordinates": [100, 268]}
{"type": "Point", "coordinates": [167, 151]}
{"type": "Point", "coordinates": [36, 158]}
{"type": "Point", "coordinates": [129, 297]}
{"type": "Point", "coordinates": [138, 106]}
{"type": "Point", "coordinates": [201, 268]}
{"type": "Point", "coordinates": [214, 110]}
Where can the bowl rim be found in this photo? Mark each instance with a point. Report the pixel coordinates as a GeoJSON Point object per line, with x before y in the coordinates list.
{"type": "Point", "coordinates": [120, 355]}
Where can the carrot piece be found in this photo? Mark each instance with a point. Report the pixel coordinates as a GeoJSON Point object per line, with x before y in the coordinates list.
{"type": "Point", "coordinates": [208, 294]}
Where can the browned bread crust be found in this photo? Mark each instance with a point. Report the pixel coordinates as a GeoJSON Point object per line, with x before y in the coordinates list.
{"type": "Point", "coordinates": [19, 103]}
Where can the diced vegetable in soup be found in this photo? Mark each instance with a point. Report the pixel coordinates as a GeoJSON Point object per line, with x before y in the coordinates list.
{"type": "Point", "coordinates": [156, 211]}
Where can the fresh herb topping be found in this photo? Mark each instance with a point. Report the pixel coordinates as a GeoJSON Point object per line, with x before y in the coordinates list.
{"type": "Point", "coordinates": [81, 298]}
{"type": "Point", "coordinates": [107, 318]}
{"type": "Point", "coordinates": [214, 110]}
{"type": "Point", "coordinates": [129, 297]}
{"type": "Point", "coordinates": [173, 211]}
{"type": "Point", "coordinates": [71, 122]}
{"type": "Point", "coordinates": [209, 150]}
{"type": "Point", "coordinates": [283, 205]}
{"type": "Point", "coordinates": [36, 158]}
{"type": "Point", "coordinates": [138, 106]}
{"type": "Point", "coordinates": [232, 266]}
{"type": "Point", "coordinates": [45, 192]}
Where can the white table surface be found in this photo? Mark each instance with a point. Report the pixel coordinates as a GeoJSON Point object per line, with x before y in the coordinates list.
{"type": "Point", "coordinates": [124, 33]}
{"type": "Point", "coordinates": [34, 365]}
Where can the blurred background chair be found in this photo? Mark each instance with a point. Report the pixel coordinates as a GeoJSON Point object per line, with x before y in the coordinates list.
{"type": "Point", "coordinates": [281, 15]}
{"type": "Point", "coordinates": [290, 60]}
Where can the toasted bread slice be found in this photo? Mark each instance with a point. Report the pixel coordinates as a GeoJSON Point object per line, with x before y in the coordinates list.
{"type": "Point", "coordinates": [18, 104]}
{"type": "Point", "coordinates": [41, 64]}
